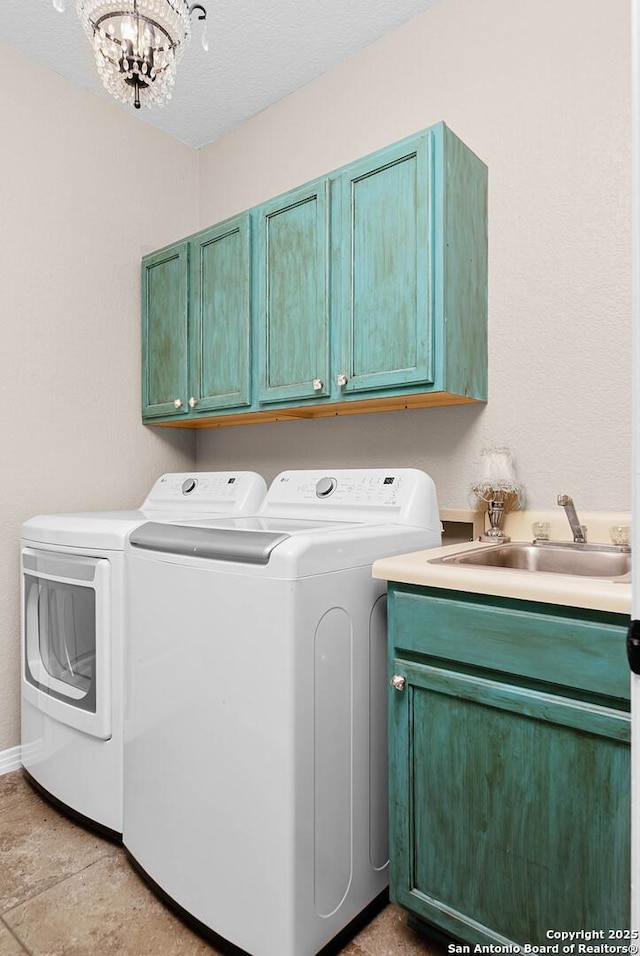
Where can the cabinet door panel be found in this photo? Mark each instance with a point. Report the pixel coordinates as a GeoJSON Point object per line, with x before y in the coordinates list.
{"type": "Point", "coordinates": [511, 808]}
{"type": "Point", "coordinates": [293, 306]}
{"type": "Point", "coordinates": [386, 308]}
{"type": "Point", "coordinates": [220, 341]}
{"type": "Point", "coordinates": [164, 332]}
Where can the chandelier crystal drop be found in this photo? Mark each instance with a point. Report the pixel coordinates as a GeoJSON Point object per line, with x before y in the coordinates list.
{"type": "Point", "coordinates": [138, 45]}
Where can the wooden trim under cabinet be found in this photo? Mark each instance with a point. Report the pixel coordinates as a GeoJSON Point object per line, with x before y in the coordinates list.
{"type": "Point", "coordinates": [329, 410]}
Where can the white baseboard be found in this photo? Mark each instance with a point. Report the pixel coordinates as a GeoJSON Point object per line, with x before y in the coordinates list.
{"type": "Point", "coordinates": [10, 760]}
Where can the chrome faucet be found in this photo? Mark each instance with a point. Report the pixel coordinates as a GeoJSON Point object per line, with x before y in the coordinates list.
{"type": "Point", "coordinates": [579, 530]}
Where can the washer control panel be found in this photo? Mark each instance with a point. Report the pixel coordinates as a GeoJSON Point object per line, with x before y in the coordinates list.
{"type": "Point", "coordinates": [343, 488]}
{"type": "Point", "coordinates": [370, 495]}
{"type": "Point", "coordinates": [375, 495]}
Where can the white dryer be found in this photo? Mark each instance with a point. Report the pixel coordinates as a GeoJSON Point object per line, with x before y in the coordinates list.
{"type": "Point", "coordinates": [73, 635]}
{"type": "Point", "coordinates": [255, 742]}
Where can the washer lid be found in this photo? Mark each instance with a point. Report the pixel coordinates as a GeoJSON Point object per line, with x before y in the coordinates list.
{"type": "Point", "coordinates": [246, 539]}
{"type": "Point", "coordinates": [223, 544]}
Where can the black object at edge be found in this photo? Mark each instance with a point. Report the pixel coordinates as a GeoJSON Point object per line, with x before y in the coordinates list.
{"type": "Point", "coordinates": [333, 947]}
{"type": "Point", "coordinates": [75, 815]}
{"type": "Point", "coordinates": [633, 646]}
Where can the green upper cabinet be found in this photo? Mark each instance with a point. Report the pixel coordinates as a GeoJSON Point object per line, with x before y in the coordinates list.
{"type": "Point", "coordinates": [165, 308]}
{"type": "Point", "coordinates": [196, 324]}
{"type": "Point", "coordinates": [361, 291]}
{"type": "Point", "coordinates": [293, 295]}
{"type": "Point", "coordinates": [386, 336]}
{"type": "Point", "coordinates": [412, 258]}
{"type": "Point", "coordinates": [220, 337]}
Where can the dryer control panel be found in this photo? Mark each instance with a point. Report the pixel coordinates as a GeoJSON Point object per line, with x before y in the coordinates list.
{"type": "Point", "coordinates": [219, 491]}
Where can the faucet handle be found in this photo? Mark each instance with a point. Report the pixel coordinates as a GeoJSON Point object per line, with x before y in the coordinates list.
{"type": "Point", "coordinates": [564, 500]}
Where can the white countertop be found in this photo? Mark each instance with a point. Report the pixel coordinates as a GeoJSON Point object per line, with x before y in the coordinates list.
{"type": "Point", "coordinates": [567, 589]}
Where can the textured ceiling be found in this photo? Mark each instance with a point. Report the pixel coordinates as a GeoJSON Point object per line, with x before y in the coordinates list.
{"type": "Point", "coordinates": [259, 51]}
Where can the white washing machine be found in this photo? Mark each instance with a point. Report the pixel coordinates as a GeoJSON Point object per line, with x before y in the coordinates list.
{"type": "Point", "coordinates": [255, 738]}
{"type": "Point", "coordinates": [73, 626]}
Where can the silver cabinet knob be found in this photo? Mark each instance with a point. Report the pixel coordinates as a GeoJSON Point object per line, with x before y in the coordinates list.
{"type": "Point", "coordinates": [318, 384]}
{"type": "Point", "coordinates": [193, 402]}
{"type": "Point", "coordinates": [177, 403]}
{"type": "Point", "coordinates": [341, 380]}
{"type": "Point", "coordinates": [398, 682]}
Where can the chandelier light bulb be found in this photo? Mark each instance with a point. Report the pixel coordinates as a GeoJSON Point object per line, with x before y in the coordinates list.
{"type": "Point", "coordinates": [59, 5]}
{"type": "Point", "coordinates": [128, 29]}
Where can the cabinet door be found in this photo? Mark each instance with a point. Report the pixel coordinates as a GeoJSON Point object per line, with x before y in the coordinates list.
{"type": "Point", "coordinates": [165, 308]}
{"type": "Point", "coordinates": [509, 808]}
{"type": "Point", "coordinates": [220, 340]}
{"type": "Point", "coordinates": [293, 295]}
{"type": "Point", "coordinates": [385, 300]}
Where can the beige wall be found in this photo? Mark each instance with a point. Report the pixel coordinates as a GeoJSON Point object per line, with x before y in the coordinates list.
{"type": "Point", "coordinates": [85, 189]}
{"type": "Point", "coordinates": [541, 93]}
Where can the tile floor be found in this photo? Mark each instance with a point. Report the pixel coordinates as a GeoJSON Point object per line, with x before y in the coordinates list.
{"type": "Point", "coordinates": [66, 892]}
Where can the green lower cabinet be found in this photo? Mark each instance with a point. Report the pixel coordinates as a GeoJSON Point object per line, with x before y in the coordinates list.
{"type": "Point", "coordinates": [509, 796]}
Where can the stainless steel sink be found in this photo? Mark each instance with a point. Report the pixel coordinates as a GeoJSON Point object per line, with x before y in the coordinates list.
{"type": "Point", "coordinates": [583, 559]}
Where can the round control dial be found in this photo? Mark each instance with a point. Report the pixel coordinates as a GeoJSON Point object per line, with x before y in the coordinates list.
{"type": "Point", "coordinates": [189, 485]}
{"type": "Point", "coordinates": [326, 487]}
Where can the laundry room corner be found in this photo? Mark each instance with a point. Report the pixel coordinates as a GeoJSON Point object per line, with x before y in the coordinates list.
{"type": "Point", "coordinates": [70, 357]}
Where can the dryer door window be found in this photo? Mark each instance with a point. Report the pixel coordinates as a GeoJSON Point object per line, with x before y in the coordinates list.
{"type": "Point", "coordinates": [66, 641]}
{"type": "Point", "coordinates": [61, 640]}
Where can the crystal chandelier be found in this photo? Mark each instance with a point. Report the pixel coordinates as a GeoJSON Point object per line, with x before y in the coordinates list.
{"type": "Point", "coordinates": [138, 44]}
